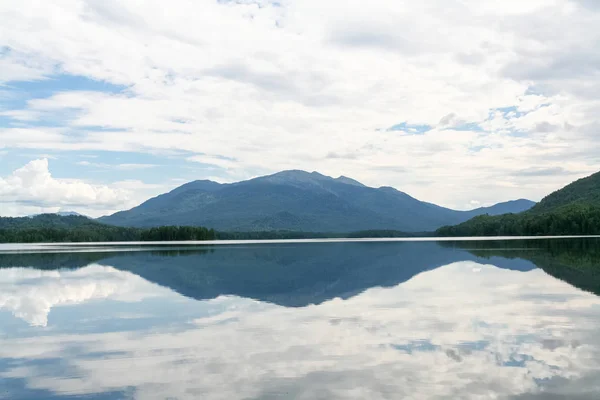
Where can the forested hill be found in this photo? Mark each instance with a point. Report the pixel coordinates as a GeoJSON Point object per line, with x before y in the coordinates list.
{"type": "Point", "coordinates": [55, 228]}
{"type": "Point", "coordinates": [572, 210]}
{"type": "Point", "coordinates": [47, 221]}
{"type": "Point", "coordinates": [585, 191]}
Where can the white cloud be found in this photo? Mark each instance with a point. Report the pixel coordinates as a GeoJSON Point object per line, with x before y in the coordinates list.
{"type": "Point", "coordinates": [137, 185]}
{"type": "Point", "coordinates": [283, 86]}
{"type": "Point", "coordinates": [126, 167]}
{"type": "Point", "coordinates": [33, 185]}
{"type": "Point", "coordinates": [464, 330]}
{"type": "Point", "coordinates": [32, 189]}
{"type": "Point", "coordinates": [31, 294]}
{"type": "Point", "coordinates": [20, 67]}
{"type": "Point", "coordinates": [222, 162]}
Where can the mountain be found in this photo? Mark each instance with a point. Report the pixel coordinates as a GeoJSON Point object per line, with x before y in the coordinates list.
{"type": "Point", "coordinates": [296, 201]}
{"type": "Point", "coordinates": [572, 210]}
{"type": "Point", "coordinates": [513, 206]}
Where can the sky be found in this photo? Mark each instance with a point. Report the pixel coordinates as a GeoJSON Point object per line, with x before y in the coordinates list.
{"type": "Point", "coordinates": [463, 103]}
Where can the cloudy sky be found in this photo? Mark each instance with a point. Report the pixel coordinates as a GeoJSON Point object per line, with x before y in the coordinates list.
{"type": "Point", "coordinates": [104, 103]}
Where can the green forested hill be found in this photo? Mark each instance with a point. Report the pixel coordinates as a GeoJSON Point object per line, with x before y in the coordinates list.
{"type": "Point", "coordinates": [585, 191]}
{"type": "Point", "coordinates": [47, 221]}
{"type": "Point", "coordinates": [572, 210]}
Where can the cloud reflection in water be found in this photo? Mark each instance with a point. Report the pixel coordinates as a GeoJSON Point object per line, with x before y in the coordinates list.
{"type": "Point", "coordinates": [465, 330]}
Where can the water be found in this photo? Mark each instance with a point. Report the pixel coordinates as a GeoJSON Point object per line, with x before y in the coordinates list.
{"type": "Point", "coordinates": [355, 320]}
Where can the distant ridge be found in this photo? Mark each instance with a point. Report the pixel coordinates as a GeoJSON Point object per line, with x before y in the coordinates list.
{"type": "Point", "coordinates": [62, 214]}
{"type": "Point", "coordinates": [512, 206]}
{"type": "Point", "coordinates": [296, 200]}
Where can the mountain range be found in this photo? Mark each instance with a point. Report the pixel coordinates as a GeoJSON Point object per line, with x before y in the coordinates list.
{"type": "Point", "coordinates": [298, 201]}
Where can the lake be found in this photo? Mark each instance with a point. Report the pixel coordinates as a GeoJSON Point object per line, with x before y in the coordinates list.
{"type": "Point", "coordinates": [493, 319]}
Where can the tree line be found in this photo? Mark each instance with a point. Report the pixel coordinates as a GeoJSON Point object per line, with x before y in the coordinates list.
{"type": "Point", "coordinates": [54, 228]}
{"type": "Point", "coordinates": [573, 219]}
{"type": "Point", "coordinates": [105, 233]}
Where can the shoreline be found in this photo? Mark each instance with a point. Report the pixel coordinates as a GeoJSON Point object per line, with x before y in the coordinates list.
{"type": "Point", "coordinates": [17, 247]}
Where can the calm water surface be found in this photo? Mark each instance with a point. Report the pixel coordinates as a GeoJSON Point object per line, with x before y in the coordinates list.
{"type": "Point", "coordinates": [372, 320]}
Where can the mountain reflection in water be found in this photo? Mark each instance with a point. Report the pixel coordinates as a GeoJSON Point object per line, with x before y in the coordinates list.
{"type": "Point", "coordinates": [304, 321]}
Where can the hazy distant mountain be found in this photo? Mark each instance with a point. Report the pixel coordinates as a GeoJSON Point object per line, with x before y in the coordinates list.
{"type": "Point", "coordinates": [513, 206]}
{"type": "Point", "coordinates": [69, 213]}
{"type": "Point", "coordinates": [62, 214]}
{"type": "Point", "coordinates": [299, 201]}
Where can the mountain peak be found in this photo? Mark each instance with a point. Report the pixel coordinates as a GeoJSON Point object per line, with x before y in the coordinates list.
{"type": "Point", "coordinates": [349, 181]}
{"type": "Point", "coordinates": [204, 184]}
{"type": "Point", "coordinates": [291, 173]}
{"type": "Point", "coordinates": [294, 175]}
{"type": "Point", "coordinates": [300, 175]}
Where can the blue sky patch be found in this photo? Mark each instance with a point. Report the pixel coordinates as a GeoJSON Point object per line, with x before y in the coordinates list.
{"type": "Point", "coordinates": [477, 149]}
{"type": "Point", "coordinates": [410, 128]}
{"type": "Point", "coordinates": [517, 360]}
{"type": "Point", "coordinates": [510, 112]}
{"type": "Point", "coordinates": [467, 127]}
{"type": "Point", "coordinates": [513, 112]}
{"type": "Point", "coordinates": [61, 83]}
{"type": "Point", "coordinates": [15, 97]}
{"type": "Point", "coordinates": [478, 345]}
{"type": "Point", "coordinates": [418, 345]}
